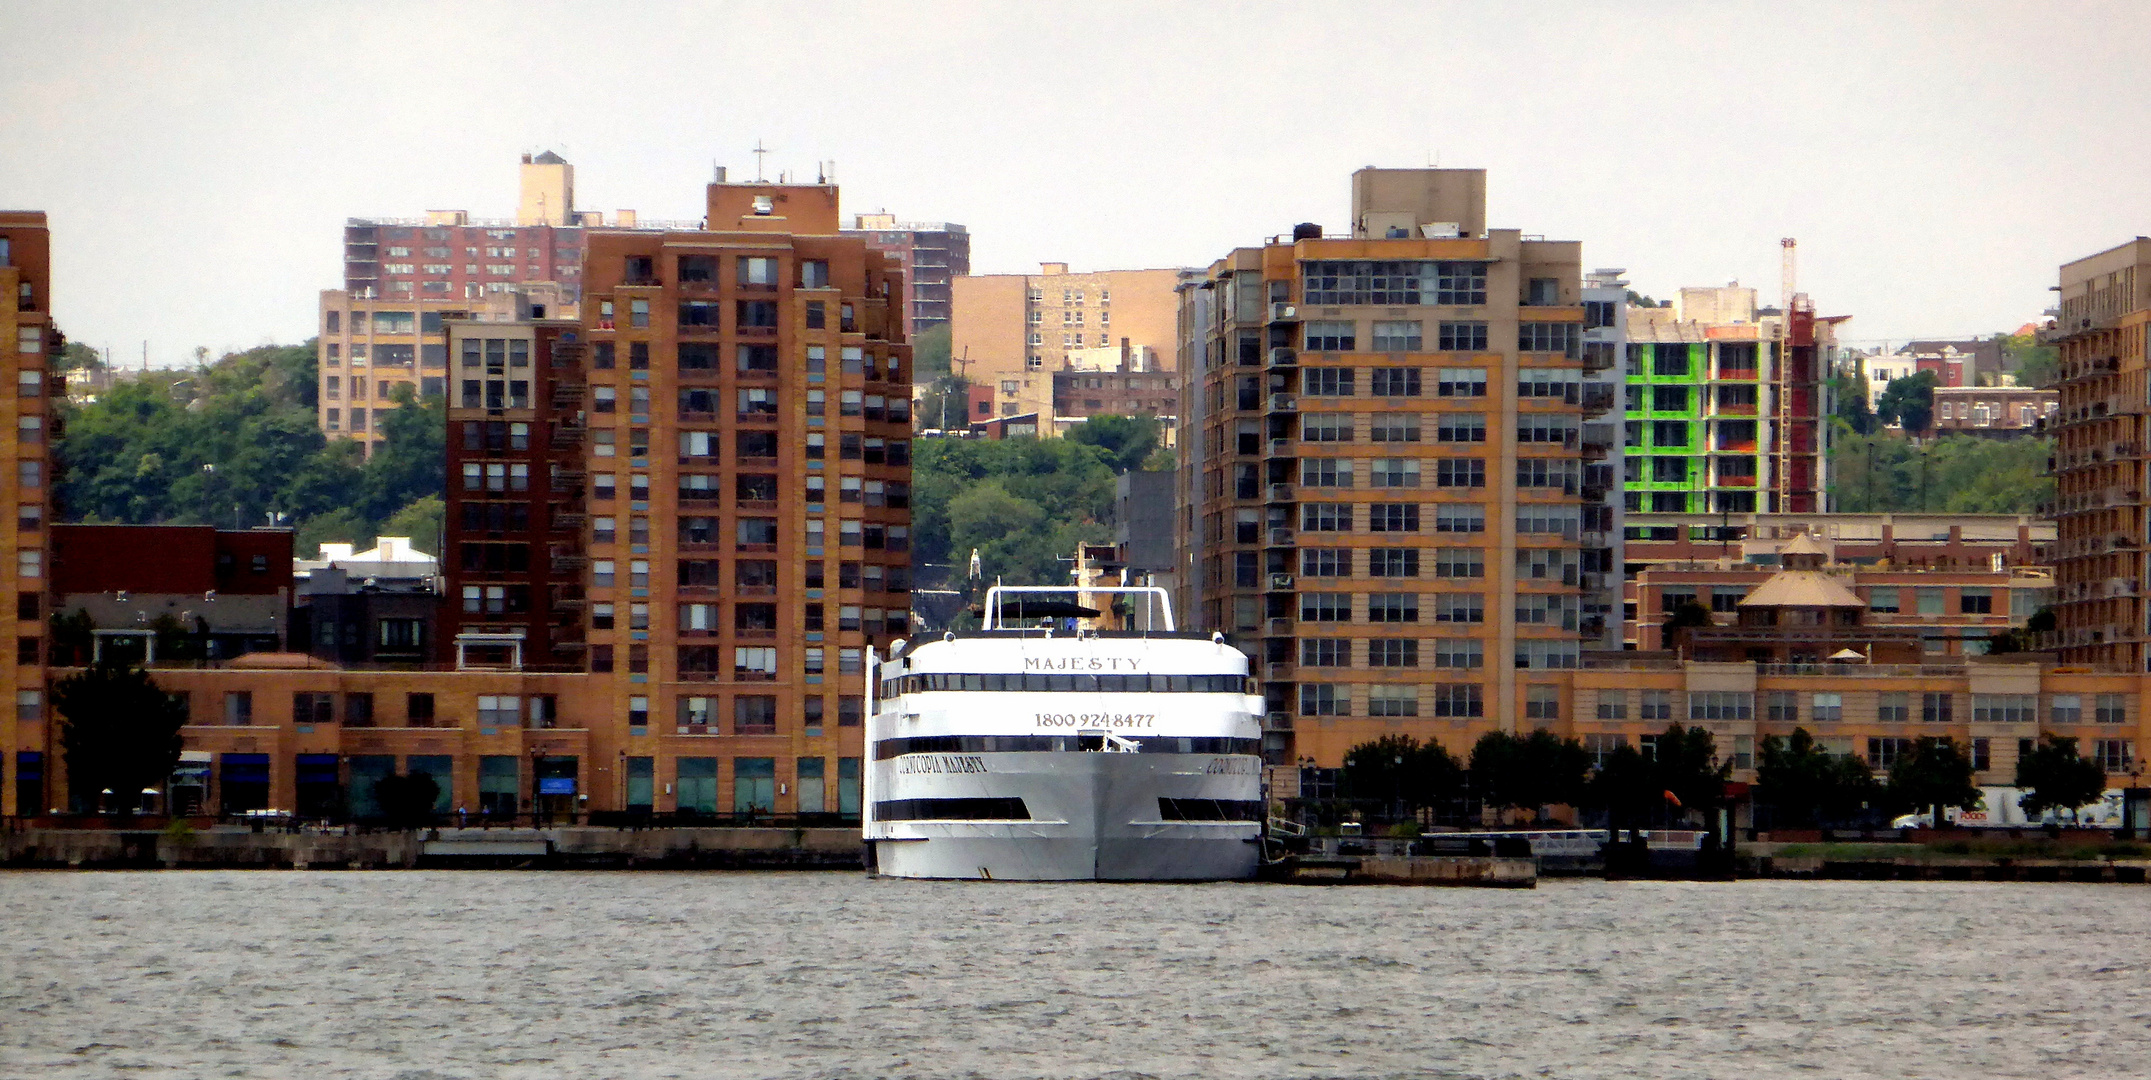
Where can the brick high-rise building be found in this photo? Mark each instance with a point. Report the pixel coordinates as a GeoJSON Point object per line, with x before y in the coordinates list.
{"type": "Point", "coordinates": [929, 254]}
{"type": "Point", "coordinates": [1385, 441]}
{"type": "Point", "coordinates": [33, 344]}
{"type": "Point", "coordinates": [748, 407]}
{"type": "Point", "coordinates": [2101, 467]}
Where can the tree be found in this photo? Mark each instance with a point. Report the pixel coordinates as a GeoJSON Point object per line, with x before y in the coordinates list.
{"type": "Point", "coordinates": [1127, 440]}
{"type": "Point", "coordinates": [1807, 784]}
{"type": "Point", "coordinates": [421, 519]}
{"type": "Point", "coordinates": [946, 404]}
{"type": "Point", "coordinates": [1850, 392]}
{"type": "Point", "coordinates": [2058, 777]}
{"type": "Point", "coordinates": [1908, 402]}
{"type": "Point", "coordinates": [119, 732]}
{"type": "Point", "coordinates": [1933, 774]}
{"type": "Point", "coordinates": [1949, 474]}
{"type": "Point", "coordinates": [2035, 364]}
{"type": "Point", "coordinates": [1684, 616]}
{"type": "Point", "coordinates": [1400, 769]}
{"type": "Point", "coordinates": [79, 357]}
{"type": "Point", "coordinates": [930, 355]}
{"type": "Point", "coordinates": [1528, 772]}
{"type": "Point", "coordinates": [1689, 770]}
{"type": "Point", "coordinates": [1626, 787]}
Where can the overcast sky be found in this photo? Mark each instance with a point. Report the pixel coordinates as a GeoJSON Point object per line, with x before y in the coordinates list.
{"type": "Point", "coordinates": [1936, 161]}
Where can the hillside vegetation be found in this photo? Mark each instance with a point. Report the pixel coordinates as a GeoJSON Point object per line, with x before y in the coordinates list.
{"type": "Point", "coordinates": [234, 443]}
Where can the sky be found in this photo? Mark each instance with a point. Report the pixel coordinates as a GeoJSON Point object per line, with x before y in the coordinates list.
{"type": "Point", "coordinates": [1936, 161]}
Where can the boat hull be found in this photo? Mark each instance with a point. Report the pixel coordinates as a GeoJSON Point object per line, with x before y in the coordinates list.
{"type": "Point", "coordinates": [1092, 817]}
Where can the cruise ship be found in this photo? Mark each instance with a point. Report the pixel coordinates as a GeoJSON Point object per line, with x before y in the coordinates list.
{"type": "Point", "coordinates": [1037, 749]}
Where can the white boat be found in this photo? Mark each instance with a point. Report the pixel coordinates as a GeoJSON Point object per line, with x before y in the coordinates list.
{"type": "Point", "coordinates": [1036, 750]}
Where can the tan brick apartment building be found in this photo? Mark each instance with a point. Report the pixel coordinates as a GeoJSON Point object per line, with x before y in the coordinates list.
{"type": "Point", "coordinates": [1018, 334]}
{"type": "Point", "coordinates": [1390, 494]}
{"type": "Point", "coordinates": [31, 343]}
{"type": "Point", "coordinates": [2101, 467]}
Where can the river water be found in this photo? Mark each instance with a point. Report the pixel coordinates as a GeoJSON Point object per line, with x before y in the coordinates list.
{"type": "Point", "coordinates": [426, 975]}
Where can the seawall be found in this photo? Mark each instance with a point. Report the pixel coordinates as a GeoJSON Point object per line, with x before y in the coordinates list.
{"type": "Point", "coordinates": [568, 848]}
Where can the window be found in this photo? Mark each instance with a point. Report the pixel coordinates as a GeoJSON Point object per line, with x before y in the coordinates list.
{"type": "Point", "coordinates": [1386, 562]}
{"type": "Point", "coordinates": [1721, 705]}
{"type": "Point", "coordinates": [1459, 700]}
{"type": "Point", "coordinates": [1882, 599]}
{"type": "Point", "coordinates": [1325, 472]}
{"type": "Point", "coordinates": [1392, 701]}
{"type": "Point", "coordinates": [1326, 562]}
{"type": "Point", "coordinates": [1893, 708]}
{"type": "Point", "coordinates": [1460, 473]}
{"type": "Point", "coordinates": [2066, 709]}
{"type": "Point", "coordinates": [1394, 382]}
{"type": "Point", "coordinates": [1390, 517]}
{"type": "Point", "coordinates": [1324, 699]}
{"type": "Point", "coordinates": [1935, 708]}
{"type": "Point", "coordinates": [1975, 601]}
{"type": "Point", "coordinates": [1325, 652]}
{"type": "Point", "coordinates": [1564, 338]}
{"type": "Point", "coordinates": [1393, 608]}
{"type": "Point", "coordinates": [1326, 517]}
{"type": "Point", "coordinates": [1327, 382]}
{"type": "Point", "coordinates": [1460, 428]}
{"type": "Point", "coordinates": [1331, 337]}
{"type": "Point", "coordinates": [1459, 653]}
{"type": "Point", "coordinates": [1461, 337]}
{"type": "Point", "coordinates": [1657, 705]}
{"type": "Point", "coordinates": [1452, 562]}
{"type": "Point", "coordinates": [1394, 653]}
{"type": "Point", "coordinates": [1393, 427]}
{"type": "Point", "coordinates": [1612, 705]}
{"type": "Point", "coordinates": [1394, 473]}
{"type": "Point", "coordinates": [1325, 607]}
{"type": "Point", "coordinates": [2005, 708]}
{"type": "Point", "coordinates": [1827, 708]}
{"type": "Point", "coordinates": [1669, 359]}
{"type": "Point", "coordinates": [1782, 706]}
{"type": "Point", "coordinates": [2111, 709]}
{"type": "Point", "coordinates": [1929, 600]}
{"type": "Point", "coordinates": [239, 708]}
{"type": "Point", "coordinates": [1397, 336]}
{"type": "Point", "coordinates": [1542, 702]}
{"type": "Point", "coordinates": [1884, 752]}
{"type": "Point", "coordinates": [1460, 382]}
{"type": "Point", "coordinates": [2113, 755]}
{"type": "Point", "coordinates": [1459, 608]}
{"type": "Point", "coordinates": [1459, 519]}
{"type": "Point", "coordinates": [1326, 427]}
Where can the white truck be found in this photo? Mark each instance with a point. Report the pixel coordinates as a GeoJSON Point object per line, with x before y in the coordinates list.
{"type": "Point", "coordinates": [2001, 810]}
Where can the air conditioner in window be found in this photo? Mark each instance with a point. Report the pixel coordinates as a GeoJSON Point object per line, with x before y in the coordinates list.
{"type": "Point", "coordinates": [1280, 581]}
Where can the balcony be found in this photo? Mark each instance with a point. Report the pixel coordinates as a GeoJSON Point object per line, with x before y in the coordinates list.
{"type": "Point", "coordinates": [1280, 628]}
{"type": "Point", "coordinates": [1284, 403]}
{"type": "Point", "coordinates": [1280, 582]}
{"type": "Point", "coordinates": [1284, 356]}
{"type": "Point", "coordinates": [1277, 670]}
{"type": "Point", "coordinates": [1280, 720]}
{"type": "Point", "coordinates": [1281, 448]}
{"type": "Point", "coordinates": [569, 562]}
{"type": "Point", "coordinates": [568, 394]}
{"type": "Point", "coordinates": [1281, 537]}
{"type": "Point", "coordinates": [1280, 493]}
{"type": "Point", "coordinates": [1284, 313]}
{"type": "Point", "coordinates": [1598, 398]}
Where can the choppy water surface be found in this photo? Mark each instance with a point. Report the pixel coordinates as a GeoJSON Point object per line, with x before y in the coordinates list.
{"type": "Point", "coordinates": [416, 976]}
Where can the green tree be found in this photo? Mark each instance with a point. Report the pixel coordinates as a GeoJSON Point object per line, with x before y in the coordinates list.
{"type": "Point", "coordinates": [1808, 785]}
{"type": "Point", "coordinates": [119, 732]}
{"type": "Point", "coordinates": [1950, 474]}
{"type": "Point", "coordinates": [930, 355]}
{"type": "Point", "coordinates": [1908, 402]}
{"type": "Point", "coordinates": [1528, 772]}
{"type": "Point", "coordinates": [2034, 364]}
{"type": "Point", "coordinates": [1850, 393]}
{"type": "Point", "coordinates": [1685, 616]}
{"type": "Point", "coordinates": [2059, 778]}
{"type": "Point", "coordinates": [1127, 440]}
{"type": "Point", "coordinates": [946, 404]}
{"type": "Point", "coordinates": [79, 357]}
{"type": "Point", "coordinates": [1933, 774]}
{"type": "Point", "coordinates": [1023, 503]}
{"type": "Point", "coordinates": [421, 519]}
{"type": "Point", "coordinates": [1689, 770]}
{"type": "Point", "coordinates": [1626, 787]}
{"type": "Point", "coordinates": [1400, 769]}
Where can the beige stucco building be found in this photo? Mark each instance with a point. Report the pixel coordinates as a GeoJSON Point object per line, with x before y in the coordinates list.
{"type": "Point", "coordinates": [1012, 332]}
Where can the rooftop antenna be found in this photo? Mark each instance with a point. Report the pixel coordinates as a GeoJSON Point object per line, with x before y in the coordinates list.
{"type": "Point", "coordinates": [759, 150]}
